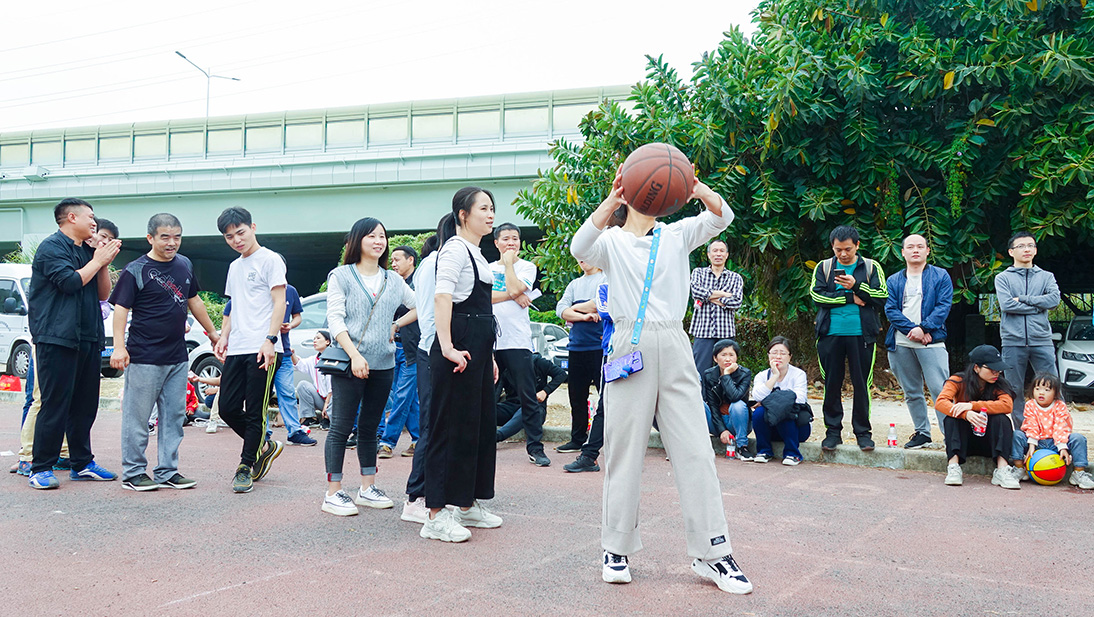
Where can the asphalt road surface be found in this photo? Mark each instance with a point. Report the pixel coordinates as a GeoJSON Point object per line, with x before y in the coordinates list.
{"type": "Point", "coordinates": [815, 540]}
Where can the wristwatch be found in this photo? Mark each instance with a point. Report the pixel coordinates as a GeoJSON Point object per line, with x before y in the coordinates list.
{"type": "Point", "coordinates": [272, 338]}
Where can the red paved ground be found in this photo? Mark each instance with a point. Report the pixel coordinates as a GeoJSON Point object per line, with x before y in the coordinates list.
{"type": "Point", "coordinates": [815, 540]}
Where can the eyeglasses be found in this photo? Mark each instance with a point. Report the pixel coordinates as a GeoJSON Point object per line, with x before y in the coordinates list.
{"type": "Point", "coordinates": [778, 354]}
{"type": "Point", "coordinates": [1019, 247]}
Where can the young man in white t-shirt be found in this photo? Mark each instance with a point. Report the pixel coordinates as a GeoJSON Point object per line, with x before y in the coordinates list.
{"type": "Point", "coordinates": [250, 344]}
{"type": "Point", "coordinates": [512, 295]}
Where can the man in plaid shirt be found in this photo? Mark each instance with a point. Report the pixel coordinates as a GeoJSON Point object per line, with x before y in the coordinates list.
{"type": "Point", "coordinates": [717, 293]}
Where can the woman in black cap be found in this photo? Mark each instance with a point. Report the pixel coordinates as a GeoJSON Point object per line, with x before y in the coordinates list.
{"type": "Point", "coordinates": [977, 403]}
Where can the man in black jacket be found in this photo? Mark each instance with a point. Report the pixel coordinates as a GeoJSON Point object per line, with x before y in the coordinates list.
{"type": "Point", "coordinates": [849, 291]}
{"type": "Point", "coordinates": [510, 418]}
{"type": "Point", "coordinates": [725, 392]}
{"type": "Point", "coordinates": [68, 281]}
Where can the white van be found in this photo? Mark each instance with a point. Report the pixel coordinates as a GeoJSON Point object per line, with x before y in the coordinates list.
{"type": "Point", "coordinates": [14, 327]}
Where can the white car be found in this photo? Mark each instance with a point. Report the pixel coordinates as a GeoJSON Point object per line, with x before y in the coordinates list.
{"type": "Point", "coordinates": [14, 326]}
{"type": "Point", "coordinates": [549, 341]}
{"type": "Point", "coordinates": [1075, 357]}
{"type": "Point", "coordinates": [313, 318]}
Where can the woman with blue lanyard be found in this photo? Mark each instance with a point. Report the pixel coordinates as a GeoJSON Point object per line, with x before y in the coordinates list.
{"type": "Point", "coordinates": [643, 255]}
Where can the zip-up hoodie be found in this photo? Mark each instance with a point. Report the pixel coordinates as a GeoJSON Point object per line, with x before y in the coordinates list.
{"type": "Point", "coordinates": [1024, 322]}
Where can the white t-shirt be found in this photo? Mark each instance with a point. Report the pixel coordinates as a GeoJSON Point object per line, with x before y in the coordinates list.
{"type": "Point", "coordinates": [250, 280]}
{"type": "Point", "coordinates": [373, 282]}
{"type": "Point", "coordinates": [913, 310]}
{"type": "Point", "coordinates": [425, 282]}
{"type": "Point", "coordinates": [513, 321]}
{"type": "Point", "coordinates": [454, 272]}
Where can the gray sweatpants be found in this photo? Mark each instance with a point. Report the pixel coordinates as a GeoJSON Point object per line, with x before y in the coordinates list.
{"type": "Point", "coordinates": [667, 388]}
{"type": "Point", "coordinates": [308, 401]}
{"type": "Point", "coordinates": [1018, 360]}
{"type": "Point", "coordinates": [147, 385]}
{"type": "Point", "coordinates": [913, 366]}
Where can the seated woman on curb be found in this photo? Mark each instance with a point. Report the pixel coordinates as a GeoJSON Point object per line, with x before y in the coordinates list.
{"type": "Point", "coordinates": [978, 398]}
{"type": "Point", "coordinates": [725, 392]}
{"type": "Point", "coordinates": [792, 422]}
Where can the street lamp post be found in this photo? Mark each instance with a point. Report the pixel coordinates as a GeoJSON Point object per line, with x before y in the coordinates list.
{"type": "Point", "coordinates": [208, 79]}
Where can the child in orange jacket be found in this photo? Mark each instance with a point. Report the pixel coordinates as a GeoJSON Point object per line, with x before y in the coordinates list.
{"type": "Point", "coordinates": [1047, 425]}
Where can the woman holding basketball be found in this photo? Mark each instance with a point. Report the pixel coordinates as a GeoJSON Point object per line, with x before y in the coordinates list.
{"type": "Point", "coordinates": [665, 387]}
{"type": "Point", "coordinates": [977, 403]}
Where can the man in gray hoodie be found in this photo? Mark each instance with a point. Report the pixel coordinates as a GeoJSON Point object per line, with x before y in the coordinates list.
{"type": "Point", "coordinates": [1026, 294]}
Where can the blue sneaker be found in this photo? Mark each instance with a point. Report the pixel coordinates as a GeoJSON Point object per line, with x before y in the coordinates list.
{"type": "Point", "coordinates": [300, 438]}
{"type": "Point", "coordinates": [62, 464]}
{"type": "Point", "coordinates": [92, 472]}
{"type": "Point", "coordinates": [24, 468]}
{"type": "Point", "coordinates": [44, 480]}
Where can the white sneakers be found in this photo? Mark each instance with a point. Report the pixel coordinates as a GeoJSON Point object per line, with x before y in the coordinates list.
{"type": "Point", "coordinates": [725, 573]}
{"type": "Point", "coordinates": [339, 504]}
{"type": "Point", "coordinates": [211, 426]}
{"type": "Point", "coordinates": [954, 476]}
{"type": "Point", "coordinates": [1006, 477]}
{"type": "Point", "coordinates": [477, 516]}
{"type": "Point", "coordinates": [1081, 479]}
{"type": "Point", "coordinates": [415, 511]}
{"type": "Point", "coordinates": [373, 498]}
{"type": "Point", "coordinates": [444, 527]}
{"type": "Point", "coordinates": [615, 568]}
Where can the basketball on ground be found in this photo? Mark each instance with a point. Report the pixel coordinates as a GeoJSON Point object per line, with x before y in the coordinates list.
{"type": "Point", "coordinates": [657, 179]}
{"type": "Point", "coordinates": [1046, 467]}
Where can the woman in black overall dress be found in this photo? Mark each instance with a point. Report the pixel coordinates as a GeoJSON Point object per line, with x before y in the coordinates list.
{"type": "Point", "coordinates": [461, 452]}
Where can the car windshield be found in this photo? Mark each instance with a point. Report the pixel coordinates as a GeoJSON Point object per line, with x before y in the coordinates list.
{"type": "Point", "coordinates": [315, 315]}
{"type": "Point", "coordinates": [1081, 330]}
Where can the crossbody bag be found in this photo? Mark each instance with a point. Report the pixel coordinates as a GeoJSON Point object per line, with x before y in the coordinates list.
{"type": "Point", "coordinates": [335, 360]}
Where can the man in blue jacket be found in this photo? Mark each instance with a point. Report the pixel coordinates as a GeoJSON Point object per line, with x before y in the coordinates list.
{"type": "Point", "coordinates": [1026, 294]}
{"type": "Point", "coordinates": [920, 297]}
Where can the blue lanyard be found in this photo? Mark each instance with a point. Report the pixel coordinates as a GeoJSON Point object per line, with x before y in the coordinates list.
{"type": "Point", "coordinates": [646, 288]}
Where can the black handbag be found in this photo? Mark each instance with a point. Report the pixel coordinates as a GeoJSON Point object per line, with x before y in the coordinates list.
{"type": "Point", "coordinates": [335, 361]}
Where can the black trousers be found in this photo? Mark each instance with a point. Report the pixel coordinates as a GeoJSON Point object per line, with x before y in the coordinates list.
{"type": "Point", "coordinates": [462, 453]}
{"type": "Point", "coordinates": [833, 351]}
{"type": "Point", "coordinates": [702, 349]}
{"type": "Point", "coordinates": [522, 373]}
{"type": "Point", "coordinates": [243, 390]}
{"type": "Point", "coordinates": [997, 441]}
{"type": "Point", "coordinates": [360, 403]}
{"type": "Point", "coordinates": [415, 483]}
{"type": "Point", "coordinates": [584, 373]}
{"type": "Point", "coordinates": [68, 380]}
{"type": "Point", "coordinates": [592, 447]}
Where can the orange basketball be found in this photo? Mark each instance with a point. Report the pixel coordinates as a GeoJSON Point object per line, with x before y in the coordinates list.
{"type": "Point", "coordinates": [657, 179]}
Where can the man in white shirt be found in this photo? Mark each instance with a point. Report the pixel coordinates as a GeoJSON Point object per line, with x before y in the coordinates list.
{"type": "Point", "coordinates": [512, 295]}
{"type": "Point", "coordinates": [250, 344]}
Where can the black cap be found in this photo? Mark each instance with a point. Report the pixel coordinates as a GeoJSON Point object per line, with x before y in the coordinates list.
{"type": "Point", "coordinates": [986, 355]}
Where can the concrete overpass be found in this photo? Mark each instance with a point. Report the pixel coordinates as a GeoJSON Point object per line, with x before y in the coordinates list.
{"type": "Point", "coordinates": [304, 175]}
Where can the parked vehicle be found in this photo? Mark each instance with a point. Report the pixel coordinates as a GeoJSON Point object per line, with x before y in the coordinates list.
{"type": "Point", "coordinates": [1075, 357]}
{"type": "Point", "coordinates": [314, 318]}
{"type": "Point", "coordinates": [14, 326]}
{"type": "Point", "coordinates": [550, 342]}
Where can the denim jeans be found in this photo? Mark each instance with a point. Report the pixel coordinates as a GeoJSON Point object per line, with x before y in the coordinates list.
{"type": "Point", "coordinates": [738, 422]}
{"type": "Point", "coordinates": [29, 388]}
{"type": "Point", "coordinates": [1076, 444]}
{"type": "Point", "coordinates": [788, 431]}
{"type": "Point", "coordinates": [402, 404]}
{"type": "Point", "coordinates": [286, 395]}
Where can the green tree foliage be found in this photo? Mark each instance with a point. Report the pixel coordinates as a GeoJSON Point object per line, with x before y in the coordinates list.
{"type": "Point", "coordinates": [961, 121]}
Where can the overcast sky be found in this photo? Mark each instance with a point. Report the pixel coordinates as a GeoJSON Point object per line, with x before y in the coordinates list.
{"type": "Point", "coordinates": [66, 64]}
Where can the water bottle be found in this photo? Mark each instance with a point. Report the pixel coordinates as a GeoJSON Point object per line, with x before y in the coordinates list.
{"type": "Point", "coordinates": [892, 436]}
{"type": "Point", "coordinates": [980, 430]}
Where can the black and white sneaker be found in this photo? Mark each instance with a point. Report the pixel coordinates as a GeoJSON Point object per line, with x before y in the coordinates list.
{"type": "Point", "coordinates": [725, 573]}
{"type": "Point", "coordinates": [745, 454]}
{"type": "Point", "coordinates": [761, 458]}
{"type": "Point", "coordinates": [140, 482]}
{"type": "Point", "coordinates": [918, 441]}
{"type": "Point", "coordinates": [615, 568]}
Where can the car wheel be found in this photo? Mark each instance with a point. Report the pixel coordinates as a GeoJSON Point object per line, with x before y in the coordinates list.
{"type": "Point", "coordinates": [191, 346]}
{"type": "Point", "coordinates": [20, 361]}
{"type": "Point", "coordinates": [111, 372]}
{"type": "Point", "coordinates": [207, 367]}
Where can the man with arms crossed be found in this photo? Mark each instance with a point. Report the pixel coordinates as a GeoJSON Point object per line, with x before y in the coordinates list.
{"type": "Point", "coordinates": [158, 288]}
